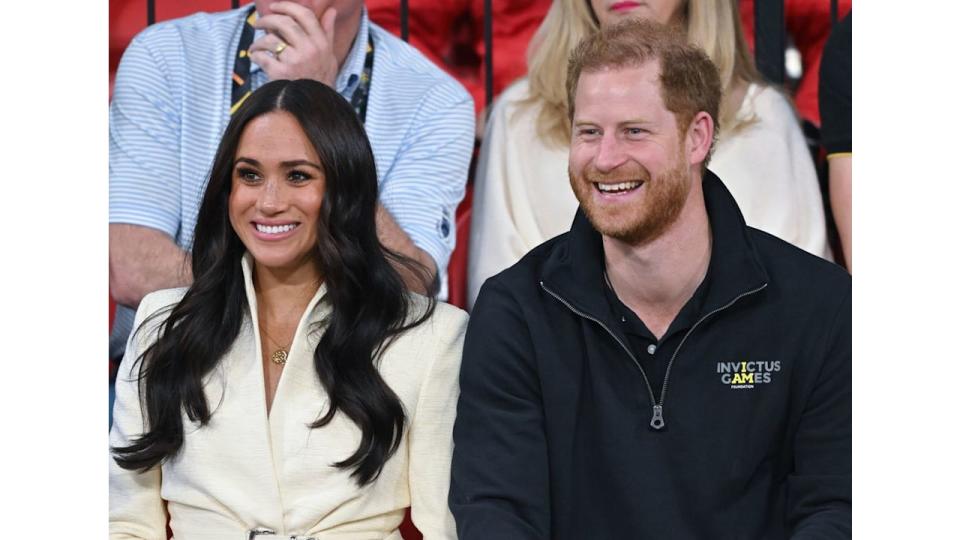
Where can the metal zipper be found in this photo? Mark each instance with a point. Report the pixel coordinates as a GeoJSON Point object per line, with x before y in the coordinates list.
{"type": "Point", "coordinates": [656, 421]}
{"type": "Point", "coordinates": [626, 349]}
{"type": "Point", "coordinates": [666, 375]}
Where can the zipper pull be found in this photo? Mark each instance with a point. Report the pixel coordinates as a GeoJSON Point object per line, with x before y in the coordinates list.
{"type": "Point", "coordinates": [657, 422]}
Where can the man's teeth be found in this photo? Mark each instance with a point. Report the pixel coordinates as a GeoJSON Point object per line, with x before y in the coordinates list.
{"type": "Point", "coordinates": [275, 229]}
{"type": "Point", "coordinates": [622, 186]}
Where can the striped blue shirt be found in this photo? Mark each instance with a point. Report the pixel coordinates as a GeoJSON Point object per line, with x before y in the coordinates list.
{"type": "Point", "coordinates": [171, 105]}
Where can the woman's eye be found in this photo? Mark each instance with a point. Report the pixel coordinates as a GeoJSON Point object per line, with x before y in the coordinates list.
{"type": "Point", "coordinates": [299, 176]}
{"type": "Point", "coordinates": [248, 175]}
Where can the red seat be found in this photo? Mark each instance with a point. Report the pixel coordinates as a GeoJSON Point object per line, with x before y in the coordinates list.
{"type": "Point", "coordinates": [408, 530]}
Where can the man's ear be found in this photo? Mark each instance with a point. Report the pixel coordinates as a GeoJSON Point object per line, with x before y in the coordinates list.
{"type": "Point", "coordinates": [699, 138]}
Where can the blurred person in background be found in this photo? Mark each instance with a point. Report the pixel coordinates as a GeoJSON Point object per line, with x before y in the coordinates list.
{"type": "Point", "coordinates": [296, 387]}
{"type": "Point", "coordinates": [807, 24]}
{"type": "Point", "coordinates": [521, 197]}
{"type": "Point", "coordinates": [836, 112]}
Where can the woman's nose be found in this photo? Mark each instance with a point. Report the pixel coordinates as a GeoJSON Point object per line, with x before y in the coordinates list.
{"type": "Point", "coordinates": [272, 197]}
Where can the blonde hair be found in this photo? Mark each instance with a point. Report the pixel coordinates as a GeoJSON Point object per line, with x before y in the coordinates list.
{"type": "Point", "coordinates": [713, 25]}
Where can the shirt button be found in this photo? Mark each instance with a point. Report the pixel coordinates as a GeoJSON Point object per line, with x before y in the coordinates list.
{"type": "Point", "coordinates": [651, 348]}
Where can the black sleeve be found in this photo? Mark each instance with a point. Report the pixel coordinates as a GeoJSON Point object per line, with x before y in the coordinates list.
{"type": "Point", "coordinates": [819, 489]}
{"type": "Point", "coordinates": [499, 479]}
{"type": "Point", "coordinates": [835, 89]}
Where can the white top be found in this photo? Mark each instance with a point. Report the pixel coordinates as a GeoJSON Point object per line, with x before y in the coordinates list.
{"type": "Point", "coordinates": [522, 195]}
{"type": "Point", "coordinates": [248, 469]}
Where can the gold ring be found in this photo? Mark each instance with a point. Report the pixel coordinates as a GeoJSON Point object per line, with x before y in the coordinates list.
{"type": "Point", "coordinates": [280, 48]}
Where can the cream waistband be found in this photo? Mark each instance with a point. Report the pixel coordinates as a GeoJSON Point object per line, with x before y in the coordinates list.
{"type": "Point", "coordinates": [264, 533]}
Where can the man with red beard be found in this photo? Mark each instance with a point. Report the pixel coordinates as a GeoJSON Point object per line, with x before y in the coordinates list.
{"type": "Point", "coordinates": [565, 427]}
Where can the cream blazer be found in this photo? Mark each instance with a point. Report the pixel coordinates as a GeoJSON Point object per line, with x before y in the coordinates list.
{"type": "Point", "coordinates": [248, 469]}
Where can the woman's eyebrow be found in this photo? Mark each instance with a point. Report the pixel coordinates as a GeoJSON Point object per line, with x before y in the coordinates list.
{"type": "Point", "coordinates": [298, 162]}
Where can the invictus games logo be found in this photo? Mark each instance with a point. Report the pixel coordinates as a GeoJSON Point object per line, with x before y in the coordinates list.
{"type": "Point", "coordinates": [741, 375]}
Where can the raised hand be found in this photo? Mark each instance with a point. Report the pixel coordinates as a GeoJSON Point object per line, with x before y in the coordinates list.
{"type": "Point", "coordinates": [298, 45]}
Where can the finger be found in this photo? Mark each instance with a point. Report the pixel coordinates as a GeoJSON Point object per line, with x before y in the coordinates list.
{"type": "Point", "coordinates": [327, 23]}
{"type": "Point", "coordinates": [319, 6]}
{"type": "Point", "coordinates": [284, 25]}
{"type": "Point", "coordinates": [268, 43]}
{"type": "Point", "coordinates": [266, 61]}
{"type": "Point", "coordinates": [304, 16]}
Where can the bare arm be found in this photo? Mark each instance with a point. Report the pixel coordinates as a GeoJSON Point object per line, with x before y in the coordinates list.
{"type": "Point", "coordinates": [841, 198]}
{"type": "Point", "coordinates": [143, 260]}
{"type": "Point", "coordinates": [393, 237]}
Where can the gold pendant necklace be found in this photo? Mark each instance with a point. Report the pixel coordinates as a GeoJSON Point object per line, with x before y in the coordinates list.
{"type": "Point", "coordinates": [279, 356]}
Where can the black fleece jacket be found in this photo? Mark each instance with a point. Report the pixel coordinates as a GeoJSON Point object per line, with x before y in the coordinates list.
{"type": "Point", "coordinates": [555, 434]}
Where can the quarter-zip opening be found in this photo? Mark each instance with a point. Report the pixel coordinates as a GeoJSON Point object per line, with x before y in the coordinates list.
{"type": "Point", "coordinates": [657, 421]}
{"type": "Point", "coordinates": [666, 377]}
{"type": "Point", "coordinates": [626, 349]}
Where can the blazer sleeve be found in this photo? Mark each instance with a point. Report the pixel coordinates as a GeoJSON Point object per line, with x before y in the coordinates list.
{"type": "Point", "coordinates": [500, 476]}
{"type": "Point", "coordinates": [136, 509]}
{"type": "Point", "coordinates": [819, 490]}
{"type": "Point", "coordinates": [431, 430]}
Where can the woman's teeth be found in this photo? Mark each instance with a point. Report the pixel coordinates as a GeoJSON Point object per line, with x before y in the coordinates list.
{"type": "Point", "coordinates": [275, 229]}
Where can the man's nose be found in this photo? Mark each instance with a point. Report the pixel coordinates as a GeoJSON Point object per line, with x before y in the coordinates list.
{"type": "Point", "coordinates": [610, 154]}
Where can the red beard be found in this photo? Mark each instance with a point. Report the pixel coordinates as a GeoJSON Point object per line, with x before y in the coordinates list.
{"type": "Point", "coordinates": [639, 220]}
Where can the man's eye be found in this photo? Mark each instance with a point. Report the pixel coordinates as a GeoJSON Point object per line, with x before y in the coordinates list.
{"type": "Point", "coordinates": [635, 131]}
{"type": "Point", "coordinates": [588, 132]}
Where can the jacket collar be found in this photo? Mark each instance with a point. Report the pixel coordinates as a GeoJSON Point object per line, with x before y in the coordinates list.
{"type": "Point", "coordinates": [574, 270]}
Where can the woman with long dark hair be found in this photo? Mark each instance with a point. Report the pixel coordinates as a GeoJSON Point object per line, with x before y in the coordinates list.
{"type": "Point", "coordinates": [296, 388]}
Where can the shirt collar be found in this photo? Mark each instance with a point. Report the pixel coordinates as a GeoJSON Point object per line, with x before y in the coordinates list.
{"type": "Point", "coordinates": [349, 75]}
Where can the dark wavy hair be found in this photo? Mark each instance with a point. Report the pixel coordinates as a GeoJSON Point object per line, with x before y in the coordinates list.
{"type": "Point", "coordinates": [370, 304]}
